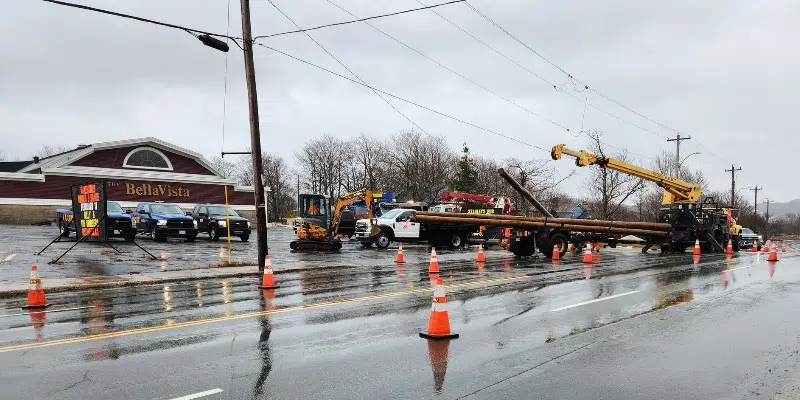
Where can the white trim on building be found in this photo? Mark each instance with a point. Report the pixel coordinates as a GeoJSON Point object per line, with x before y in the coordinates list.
{"type": "Point", "coordinates": [147, 148]}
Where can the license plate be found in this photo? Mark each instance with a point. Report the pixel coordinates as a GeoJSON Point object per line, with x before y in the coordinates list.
{"type": "Point", "coordinates": [181, 232]}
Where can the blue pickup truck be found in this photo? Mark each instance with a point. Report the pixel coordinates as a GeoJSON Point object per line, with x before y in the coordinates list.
{"type": "Point", "coordinates": [163, 220]}
{"type": "Point", "coordinates": [120, 223]}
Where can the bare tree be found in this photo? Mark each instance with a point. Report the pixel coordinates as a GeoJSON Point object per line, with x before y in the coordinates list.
{"type": "Point", "coordinates": [2, 156]}
{"type": "Point", "coordinates": [226, 168]}
{"type": "Point", "coordinates": [419, 167]}
{"type": "Point", "coordinates": [609, 189]}
{"type": "Point", "coordinates": [48, 150]}
{"type": "Point", "coordinates": [280, 198]}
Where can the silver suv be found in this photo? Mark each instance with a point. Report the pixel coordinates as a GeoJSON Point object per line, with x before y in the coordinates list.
{"type": "Point", "coordinates": [747, 237]}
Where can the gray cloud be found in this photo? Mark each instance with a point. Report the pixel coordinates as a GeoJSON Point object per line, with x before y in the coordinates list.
{"type": "Point", "coordinates": [721, 71]}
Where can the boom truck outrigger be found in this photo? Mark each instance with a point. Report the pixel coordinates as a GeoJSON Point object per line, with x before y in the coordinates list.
{"type": "Point", "coordinates": [681, 208]}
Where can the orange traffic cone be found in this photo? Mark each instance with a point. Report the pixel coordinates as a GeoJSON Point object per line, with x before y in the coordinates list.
{"type": "Point", "coordinates": [570, 248]}
{"type": "Point", "coordinates": [755, 248]}
{"type": "Point", "coordinates": [556, 252]}
{"type": "Point", "coordinates": [36, 298]}
{"type": "Point", "coordinates": [400, 258]}
{"type": "Point", "coordinates": [269, 279]}
{"type": "Point", "coordinates": [587, 254]}
{"type": "Point", "coordinates": [433, 266]}
{"type": "Point", "coordinates": [765, 247]}
{"type": "Point", "coordinates": [597, 247]}
{"type": "Point", "coordinates": [696, 250]}
{"type": "Point", "coordinates": [481, 255]}
{"type": "Point", "coordinates": [773, 253]}
{"type": "Point", "coordinates": [729, 249]}
{"type": "Point", "coordinates": [439, 321]}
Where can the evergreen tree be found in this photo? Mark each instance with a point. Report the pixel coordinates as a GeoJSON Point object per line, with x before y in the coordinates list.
{"type": "Point", "coordinates": [466, 179]}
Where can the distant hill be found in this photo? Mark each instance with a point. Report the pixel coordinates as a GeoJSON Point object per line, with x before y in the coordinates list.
{"type": "Point", "coordinates": [778, 210]}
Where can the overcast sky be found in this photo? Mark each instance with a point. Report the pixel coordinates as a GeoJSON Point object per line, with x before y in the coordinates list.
{"type": "Point", "coordinates": [723, 72]}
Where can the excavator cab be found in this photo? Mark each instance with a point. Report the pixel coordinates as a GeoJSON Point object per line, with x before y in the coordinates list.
{"type": "Point", "coordinates": [315, 210]}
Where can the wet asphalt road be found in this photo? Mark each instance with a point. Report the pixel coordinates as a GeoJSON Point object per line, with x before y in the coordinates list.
{"type": "Point", "coordinates": [632, 326]}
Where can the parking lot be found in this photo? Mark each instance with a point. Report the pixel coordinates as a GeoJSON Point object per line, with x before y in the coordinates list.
{"type": "Point", "coordinates": [21, 243]}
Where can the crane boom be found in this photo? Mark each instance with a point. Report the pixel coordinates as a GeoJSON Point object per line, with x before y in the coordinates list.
{"type": "Point", "coordinates": [677, 191]}
{"type": "Point", "coordinates": [348, 199]}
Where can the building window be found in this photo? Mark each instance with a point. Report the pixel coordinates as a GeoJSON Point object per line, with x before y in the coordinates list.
{"type": "Point", "coordinates": [147, 158]}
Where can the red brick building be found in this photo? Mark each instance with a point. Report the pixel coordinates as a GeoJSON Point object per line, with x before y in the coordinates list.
{"type": "Point", "coordinates": [135, 170]}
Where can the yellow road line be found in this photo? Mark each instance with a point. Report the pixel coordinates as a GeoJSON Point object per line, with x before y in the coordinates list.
{"type": "Point", "coordinates": [28, 346]}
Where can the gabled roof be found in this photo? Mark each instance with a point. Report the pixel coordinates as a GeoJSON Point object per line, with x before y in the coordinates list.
{"type": "Point", "coordinates": [63, 159]}
{"type": "Point", "coordinates": [13, 166]}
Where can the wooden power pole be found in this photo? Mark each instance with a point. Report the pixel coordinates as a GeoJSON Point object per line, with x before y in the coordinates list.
{"type": "Point", "coordinates": [255, 135]}
{"type": "Point", "coordinates": [733, 172]}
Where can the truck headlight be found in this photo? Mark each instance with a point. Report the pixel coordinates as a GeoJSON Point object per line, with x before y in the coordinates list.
{"type": "Point", "coordinates": [248, 224]}
{"type": "Point", "coordinates": [195, 224]}
{"type": "Point", "coordinates": [161, 222]}
{"type": "Point", "coordinates": [223, 224]}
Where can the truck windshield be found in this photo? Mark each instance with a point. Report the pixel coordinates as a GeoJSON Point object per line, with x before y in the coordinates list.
{"type": "Point", "coordinates": [219, 210]}
{"type": "Point", "coordinates": [113, 207]}
{"type": "Point", "coordinates": [392, 213]}
{"type": "Point", "coordinates": [166, 209]}
{"type": "Point", "coordinates": [747, 231]}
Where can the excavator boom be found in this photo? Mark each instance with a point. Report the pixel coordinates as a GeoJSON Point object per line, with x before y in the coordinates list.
{"type": "Point", "coordinates": [677, 190]}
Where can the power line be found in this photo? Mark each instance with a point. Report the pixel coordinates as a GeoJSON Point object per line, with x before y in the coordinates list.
{"type": "Point", "coordinates": [403, 99]}
{"type": "Point", "coordinates": [456, 72]}
{"type": "Point", "coordinates": [358, 20]}
{"type": "Point", "coordinates": [345, 67]}
{"type": "Point", "coordinates": [553, 85]}
{"type": "Point", "coordinates": [490, 20]}
{"type": "Point", "coordinates": [149, 21]}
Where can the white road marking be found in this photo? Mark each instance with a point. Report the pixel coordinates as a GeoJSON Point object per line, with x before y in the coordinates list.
{"type": "Point", "coordinates": [199, 395]}
{"type": "Point", "coordinates": [595, 301]}
{"type": "Point", "coordinates": [45, 311]}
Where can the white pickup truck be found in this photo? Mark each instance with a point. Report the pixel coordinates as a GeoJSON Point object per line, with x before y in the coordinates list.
{"type": "Point", "coordinates": [396, 226]}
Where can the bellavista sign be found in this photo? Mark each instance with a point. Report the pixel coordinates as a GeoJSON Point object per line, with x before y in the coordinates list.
{"type": "Point", "coordinates": [160, 190]}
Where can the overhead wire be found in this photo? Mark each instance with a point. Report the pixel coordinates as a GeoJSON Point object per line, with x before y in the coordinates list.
{"type": "Point", "coordinates": [347, 68]}
{"type": "Point", "coordinates": [553, 85]}
{"type": "Point", "coordinates": [592, 89]}
{"type": "Point", "coordinates": [455, 72]}
{"type": "Point", "coordinates": [149, 21]}
{"type": "Point", "coordinates": [359, 20]}
{"type": "Point", "coordinates": [403, 99]}
{"type": "Point", "coordinates": [225, 85]}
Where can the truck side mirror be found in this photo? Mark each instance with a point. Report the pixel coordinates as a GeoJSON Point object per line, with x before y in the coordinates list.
{"type": "Point", "coordinates": [204, 215]}
{"type": "Point", "coordinates": [189, 213]}
{"type": "Point", "coordinates": [141, 212]}
{"type": "Point", "coordinates": [129, 211]}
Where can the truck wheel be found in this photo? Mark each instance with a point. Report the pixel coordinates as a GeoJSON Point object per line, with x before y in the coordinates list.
{"type": "Point", "coordinates": [130, 238]}
{"type": "Point", "coordinates": [736, 244]}
{"type": "Point", "coordinates": [560, 241]}
{"type": "Point", "coordinates": [337, 245]}
{"type": "Point", "coordinates": [456, 240]}
{"type": "Point", "coordinates": [155, 236]}
{"type": "Point", "coordinates": [191, 239]}
{"type": "Point", "coordinates": [244, 238]}
{"type": "Point", "coordinates": [213, 234]}
{"type": "Point", "coordinates": [383, 240]}
{"type": "Point", "coordinates": [366, 245]}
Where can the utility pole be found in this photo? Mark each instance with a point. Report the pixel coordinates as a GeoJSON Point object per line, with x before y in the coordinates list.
{"type": "Point", "coordinates": [298, 195]}
{"type": "Point", "coordinates": [733, 184]}
{"type": "Point", "coordinates": [766, 216]}
{"type": "Point", "coordinates": [678, 141]}
{"type": "Point", "coordinates": [755, 201]}
{"type": "Point", "coordinates": [255, 135]}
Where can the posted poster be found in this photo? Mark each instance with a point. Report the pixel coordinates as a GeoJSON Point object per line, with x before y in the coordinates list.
{"type": "Point", "coordinates": [88, 209]}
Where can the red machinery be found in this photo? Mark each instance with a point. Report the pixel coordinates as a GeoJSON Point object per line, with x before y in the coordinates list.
{"type": "Point", "coordinates": [494, 202]}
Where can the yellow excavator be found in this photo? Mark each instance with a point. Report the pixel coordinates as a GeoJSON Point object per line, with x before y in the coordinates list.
{"type": "Point", "coordinates": [681, 207]}
{"type": "Point", "coordinates": [315, 230]}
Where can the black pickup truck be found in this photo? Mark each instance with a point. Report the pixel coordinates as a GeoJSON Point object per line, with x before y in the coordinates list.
{"type": "Point", "coordinates": [212, 219]}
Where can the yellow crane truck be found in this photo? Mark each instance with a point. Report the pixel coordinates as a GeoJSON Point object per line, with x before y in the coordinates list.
{"type": "Point", "coordinates": [691, 219]}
